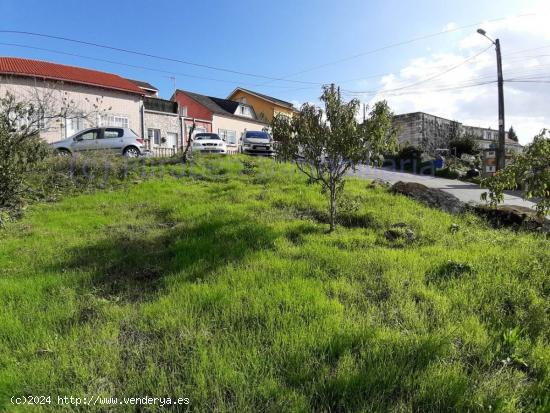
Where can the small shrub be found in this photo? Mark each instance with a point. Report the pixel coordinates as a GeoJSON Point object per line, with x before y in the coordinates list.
{"type": "Point", "coordinates": [400, 235]}
{"type": "Point", "coordinates": [409, 158]}
{"type": "Point", "coordinates": [464, 145]}
{"type": "Point", "coordinates": [447, 173]}
{"type": "Point", "coordinates": [250, 167]}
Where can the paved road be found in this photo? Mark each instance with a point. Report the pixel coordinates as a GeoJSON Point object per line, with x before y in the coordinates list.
{"type": "Point", "coordinates": [465, 191]}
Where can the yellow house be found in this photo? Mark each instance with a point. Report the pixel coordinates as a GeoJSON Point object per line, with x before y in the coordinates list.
{"type": "Point", "coordinates": [266, 107]}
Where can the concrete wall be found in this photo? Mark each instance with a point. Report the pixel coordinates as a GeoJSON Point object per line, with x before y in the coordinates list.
{"type": "Point", "coordinates": [87, 99]}
{"type": "Point", "coordinates": [428, 132]}
{"type": "Point", "coordinates": [236, 124]}
{"type": "Point", "coordinates": [437, 133]}
{"type": "Point", "coordinates": [409, 129]}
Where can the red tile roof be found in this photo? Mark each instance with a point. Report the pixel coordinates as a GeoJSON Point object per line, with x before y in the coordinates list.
{"type": "Point", "coordinates": [54, 71]}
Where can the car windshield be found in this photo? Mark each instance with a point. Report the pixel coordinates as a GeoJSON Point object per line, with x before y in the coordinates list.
{"type": "Point", "coordinates": [207, 136]}
{"type": "Point", "coordinates": [257, 135]}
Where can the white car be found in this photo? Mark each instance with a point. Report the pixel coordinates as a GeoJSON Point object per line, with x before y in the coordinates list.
{"type": "Point", "coordinates": [208, 143]}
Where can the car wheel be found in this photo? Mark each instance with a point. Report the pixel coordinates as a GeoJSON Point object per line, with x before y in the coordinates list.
{"type": "Point", "coordinates": [63, 152]}
{"type": "Point", "coordinates": [131, 152]}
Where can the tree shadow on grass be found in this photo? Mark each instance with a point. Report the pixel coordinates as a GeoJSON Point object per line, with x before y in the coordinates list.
{"type": "Point", "coordinates": [362, 372]}
{"type": "Point", "coordinates": [132, 261]}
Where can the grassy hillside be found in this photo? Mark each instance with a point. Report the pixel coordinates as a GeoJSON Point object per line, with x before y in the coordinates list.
{"type": "Point", "coordinates": [225, 288]}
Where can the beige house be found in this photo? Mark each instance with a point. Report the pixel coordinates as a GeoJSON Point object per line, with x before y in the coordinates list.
{"type": "Point", "coordinates": [94, 98]}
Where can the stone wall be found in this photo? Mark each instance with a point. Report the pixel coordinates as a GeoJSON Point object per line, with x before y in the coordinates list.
{"type": "Point", "coordinates": [166, 123]}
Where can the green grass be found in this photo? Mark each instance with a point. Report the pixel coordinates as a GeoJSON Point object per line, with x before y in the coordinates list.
{"type": "Point", "coordinates": [225, 288]}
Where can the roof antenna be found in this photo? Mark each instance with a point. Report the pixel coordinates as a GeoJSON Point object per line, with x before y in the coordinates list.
{"type": "Point", "coordinates": [173, 79]}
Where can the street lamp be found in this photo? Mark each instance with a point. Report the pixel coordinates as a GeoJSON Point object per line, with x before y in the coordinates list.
{"type": "Point", "coordinates": [501, 159]}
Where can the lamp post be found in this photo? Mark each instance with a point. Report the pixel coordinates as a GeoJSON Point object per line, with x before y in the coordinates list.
{"type": "Point", "coordinates": [501, 158]}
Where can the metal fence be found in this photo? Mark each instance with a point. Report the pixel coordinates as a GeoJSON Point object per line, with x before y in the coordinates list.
{"type": "Point", "coordinates": [160, 152]}
{"type": "Point", "coordinates": [163, 152]}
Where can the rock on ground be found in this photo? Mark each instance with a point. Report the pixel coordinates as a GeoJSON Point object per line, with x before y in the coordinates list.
{"type": "Point", "coordinates": [430, 196]}
{"type": "Point", "coordinates": [514, 216]}
{"type": "Point", "coordinates": [501, 216]}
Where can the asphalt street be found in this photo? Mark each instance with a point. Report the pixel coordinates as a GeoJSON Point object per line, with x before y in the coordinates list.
{"type": "Point", "coordinates": [465, 191]}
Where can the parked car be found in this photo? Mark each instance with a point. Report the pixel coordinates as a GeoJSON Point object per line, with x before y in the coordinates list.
{"type": "Point", "coordinates": [122, 141]}
{"type": "Point", "coordinates": [257, 143]}
{"type": "Point", "coordinates": [208, 143]}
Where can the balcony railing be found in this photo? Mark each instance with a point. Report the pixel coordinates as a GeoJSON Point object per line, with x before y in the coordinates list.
{"type": "Point", "coordinates": [160, 105]}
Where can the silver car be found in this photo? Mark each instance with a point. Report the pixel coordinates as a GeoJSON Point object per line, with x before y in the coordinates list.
{"type": "Point", "coordinates": [257, 143]}
{"type": "Point", "coordinates": [122, 141]}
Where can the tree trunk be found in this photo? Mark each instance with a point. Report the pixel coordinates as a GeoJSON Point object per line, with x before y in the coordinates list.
{"type": "Point", "coordinates": [332, 206]}
{"type": "Point", "coordinates": [186, 150]}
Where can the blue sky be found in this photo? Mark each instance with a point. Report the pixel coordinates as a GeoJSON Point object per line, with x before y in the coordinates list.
{"type": "Point", "coordinates": [273, 39]}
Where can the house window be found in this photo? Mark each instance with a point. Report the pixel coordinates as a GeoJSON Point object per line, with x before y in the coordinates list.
{"type": "Point", "coordinates": [490, 169]}
{"type": "Point", "coordinates": [43, 122]}
{"type": "Point", "coordinates": [245, 111]}
{"type": "Point", "coordinates": [114, 120]}
{"type": "Point", "coordinates": [183, 111]}
{"type": "Point", "coordinates": [154, 136]}
{"type": "Point", "coordinates": [76, 124]}
{"type": "Point", "coordinates": [229, 136]}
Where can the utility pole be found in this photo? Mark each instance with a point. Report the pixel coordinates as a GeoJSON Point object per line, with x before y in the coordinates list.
{"type": "Point", "coordinates": [501, 161]}
{"type": "Point", "coordinates": [501, 153]}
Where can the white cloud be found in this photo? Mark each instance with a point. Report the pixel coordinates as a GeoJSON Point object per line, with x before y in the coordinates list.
{"type": "Point", "coordinates": [453, 94]}
{"type": "Point", "coordinates": [450, 26]}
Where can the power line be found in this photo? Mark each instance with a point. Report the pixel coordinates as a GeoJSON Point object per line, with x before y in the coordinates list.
{"type": "Point", "coordinates": [169, 59]}
{"type": "Point", "coordinates": [429, 78]}
{"type": "Point", "coordinates": [465, 85]}
{"type": "Point", "coordinates": [401, 43]}
{"type": "Point", "coordinates": [312, 84]}
{"type": "Point", "coordinates": [205, 66]}
{"type": "Point", "coordinates": [127, 64]}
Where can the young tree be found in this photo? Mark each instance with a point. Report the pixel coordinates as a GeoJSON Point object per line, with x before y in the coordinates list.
{"type": "Point", "coordinates": [466, 144]}
{"type": "Point", "coordinates": [531, 168]}
{"type": "Point", "coordinates": [325, 145]}
{"type": "Point", "coordinates": [512, 134]}
{"type": "Point", "coordinates": [21, 120]}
